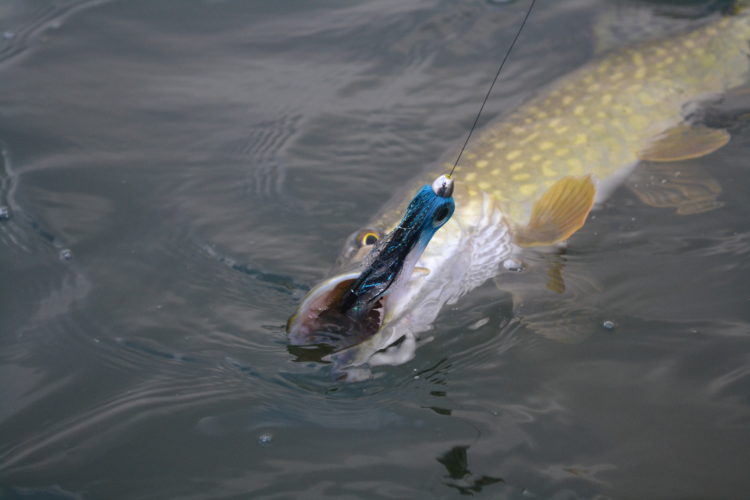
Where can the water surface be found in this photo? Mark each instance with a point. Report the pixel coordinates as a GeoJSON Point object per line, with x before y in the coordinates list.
{"type": "Point", "coordinates": [179, 173]}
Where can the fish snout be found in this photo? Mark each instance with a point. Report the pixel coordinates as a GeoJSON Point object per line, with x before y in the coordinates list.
{"type": "Point", "coordinates": [321, 320]}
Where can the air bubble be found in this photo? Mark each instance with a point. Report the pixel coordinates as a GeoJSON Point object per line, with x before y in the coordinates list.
{"type": "Point", "coordinates": [608, 325]}
{"type": "Point", "coordinates": [66, 254]}
{"type": "Point", "coordinates": [4, 213]}
{"type": "Point", "coordinates": [478, 324]}
{"type": "Point", "coordinates": [265, 438]}
{"type": "Point", "coordinates": [513, 265]}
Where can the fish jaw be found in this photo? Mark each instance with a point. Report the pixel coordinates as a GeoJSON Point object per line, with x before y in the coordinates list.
{"type": "Point", "coordinates": [316, 321]}
{"type": "Point", "coordinates": [350, 308]}
{"type": "Point", "coordinates": [413, 301]}
{"type": "Point", "coordinates": [409, 309]}
{"type": "Point", "coordinates": [466, 252]}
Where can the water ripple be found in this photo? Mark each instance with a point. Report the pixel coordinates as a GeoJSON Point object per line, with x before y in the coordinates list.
{"type": "Point", "coordinates": [20, 38]}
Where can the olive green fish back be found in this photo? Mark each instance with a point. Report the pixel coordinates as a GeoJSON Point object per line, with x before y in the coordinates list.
{"type": "Point", "coordinates": [600, 118]}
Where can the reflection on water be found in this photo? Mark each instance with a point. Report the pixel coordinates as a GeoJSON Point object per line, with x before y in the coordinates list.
{"type": "Point", "coordinates": [456, 464]}
{"type": "Point", "coordinates": [202, 161]}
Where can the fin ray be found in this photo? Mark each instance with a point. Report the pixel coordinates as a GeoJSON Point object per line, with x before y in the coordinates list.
{"type": "Point", "coordinates": [560, 212]}
{"type": "Point", "coordinates": [685, 142]}
{"type": "Point", "coordinates": [687, 188]}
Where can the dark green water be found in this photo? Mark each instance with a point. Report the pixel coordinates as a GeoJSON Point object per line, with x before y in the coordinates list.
{"type": "Point", "coordinates": [202, 162]}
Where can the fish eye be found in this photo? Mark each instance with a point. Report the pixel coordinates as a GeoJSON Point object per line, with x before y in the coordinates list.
{"type": "Point", "coordinates": [368, 238]}
{"type": "Point", "coordinates": [441, 214]}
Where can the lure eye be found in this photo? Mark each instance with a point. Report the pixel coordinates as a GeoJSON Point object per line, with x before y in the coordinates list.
{"type": "Point", "coordinates": [441, 215]}
{"type": "Point", "coordinates": [369, 238]}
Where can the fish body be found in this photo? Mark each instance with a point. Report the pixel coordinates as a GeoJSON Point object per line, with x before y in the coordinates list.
{"type": "Point", "coordinates": [531, 177]}
{"type": "Point", "coordinates": [599, 119]}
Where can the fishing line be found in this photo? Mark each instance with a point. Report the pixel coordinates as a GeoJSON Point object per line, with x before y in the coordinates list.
{"type": "Point", "coordinates": [481, 108]}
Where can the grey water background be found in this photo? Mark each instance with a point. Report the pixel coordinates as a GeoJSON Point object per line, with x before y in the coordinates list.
{"type": "Point", "coordinates": [179, 173]}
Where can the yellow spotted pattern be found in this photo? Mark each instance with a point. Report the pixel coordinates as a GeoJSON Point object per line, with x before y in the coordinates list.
{"type": "Point", "coordinates": [598, 118]}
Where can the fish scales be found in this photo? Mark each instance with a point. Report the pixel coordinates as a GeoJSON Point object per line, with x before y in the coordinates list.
{"type": "Point", "coordinates": [598, 119]}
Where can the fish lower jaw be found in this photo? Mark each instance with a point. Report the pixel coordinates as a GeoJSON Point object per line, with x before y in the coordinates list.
{"type": "Point", "coordinates": [395, 353]}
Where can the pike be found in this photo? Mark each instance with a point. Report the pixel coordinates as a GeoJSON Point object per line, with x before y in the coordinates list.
{"type": "Point", "coordinates": [531, 178]}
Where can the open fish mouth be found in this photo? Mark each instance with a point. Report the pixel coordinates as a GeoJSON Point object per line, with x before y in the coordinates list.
{"type": "Point", "coordinates": [351, 308]}
{"type": "Point", "coordinates": [321, 321]}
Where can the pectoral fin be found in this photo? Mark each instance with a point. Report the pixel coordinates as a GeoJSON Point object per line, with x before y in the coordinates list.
{"type": "Point", "coordinates": [559, 213]}
{"type": "Point", "coordinates": [685, 142]}
{"type": "Point", "coordinates": [686, 188]}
